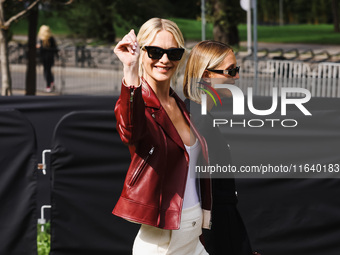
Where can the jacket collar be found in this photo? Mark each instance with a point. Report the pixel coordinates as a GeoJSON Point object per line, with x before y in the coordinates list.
{"type": "Point", "coordinates": [160, 115]}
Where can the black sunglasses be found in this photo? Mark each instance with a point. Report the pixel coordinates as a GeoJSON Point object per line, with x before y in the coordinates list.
{"type": "Point", "coordinates": [232, 72]}
{"type": "Point", "coordinates": [173, 54]}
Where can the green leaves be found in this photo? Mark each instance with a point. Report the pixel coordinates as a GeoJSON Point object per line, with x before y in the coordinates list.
{"type": "Point", "coordinates": [99, 19]}
{"type": "Point", "coordinates": [44, 239]}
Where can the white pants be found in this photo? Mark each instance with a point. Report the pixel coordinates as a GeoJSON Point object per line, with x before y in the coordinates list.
{"type": "Point", "coordinates": [184, 241]}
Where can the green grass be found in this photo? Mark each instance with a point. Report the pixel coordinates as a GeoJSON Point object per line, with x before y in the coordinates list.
{"type": "Point", "coordinates": [318, 34]}
{"type": "Point", "coordinates": [192, 29]}
{"type": "Point", "coordinates": [57, 24]}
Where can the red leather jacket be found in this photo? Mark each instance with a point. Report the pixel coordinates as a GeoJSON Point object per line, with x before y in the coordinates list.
{"type": "Point", "coordinates": [155, 182]}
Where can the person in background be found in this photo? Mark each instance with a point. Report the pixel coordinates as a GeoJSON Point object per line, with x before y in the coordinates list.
{"type": "Point", "coordinates": [164, 146]}
{"type": "Point", "coordinates": [209, 63]}
{"type": "Point", "coordinates": [48, 50]}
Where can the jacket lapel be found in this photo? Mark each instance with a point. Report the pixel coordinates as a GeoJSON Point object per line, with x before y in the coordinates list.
{"type": "Point", "coordinates": [160, 115]}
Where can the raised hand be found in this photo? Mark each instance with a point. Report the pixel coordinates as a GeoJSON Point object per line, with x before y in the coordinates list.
{"type": "Point", "coordinates": [127, 50]}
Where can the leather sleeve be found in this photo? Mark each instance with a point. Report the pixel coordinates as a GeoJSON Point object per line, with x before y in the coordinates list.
{"type": "Point", "coordinates": [130, 114]}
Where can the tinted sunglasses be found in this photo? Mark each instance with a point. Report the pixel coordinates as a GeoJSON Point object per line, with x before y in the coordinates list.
{"type": "Point", "coordinates": [232, 72]}
{"type": "Point", "coordinates": [173, 54]}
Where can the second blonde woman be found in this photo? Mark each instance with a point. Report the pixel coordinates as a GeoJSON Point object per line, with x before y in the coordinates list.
{"type": "Point", "coordinates": [211, 63]}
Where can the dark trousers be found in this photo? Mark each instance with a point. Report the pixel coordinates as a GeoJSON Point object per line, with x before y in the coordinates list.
{"type": "Point", "coordinates": [48, 73]}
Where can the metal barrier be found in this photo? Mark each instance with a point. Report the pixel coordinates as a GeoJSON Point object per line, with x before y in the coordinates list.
{"type": "Point", "coordinates": [321, 79]}
{"type": "Point", "coordinates": [328, 82]}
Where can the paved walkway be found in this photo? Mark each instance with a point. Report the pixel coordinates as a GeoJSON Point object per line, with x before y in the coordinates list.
{"type": "Point", "coordinates": [19, 92]}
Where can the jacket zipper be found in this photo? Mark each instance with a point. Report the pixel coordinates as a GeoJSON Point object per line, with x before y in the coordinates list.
{"type": "Point", "coordinates": [141, 167]}
{"type": "Point", "coordinates": [131, 103]}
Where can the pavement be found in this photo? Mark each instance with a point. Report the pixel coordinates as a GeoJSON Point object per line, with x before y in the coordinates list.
{"type": "Point", "coordinates": [20, 92]}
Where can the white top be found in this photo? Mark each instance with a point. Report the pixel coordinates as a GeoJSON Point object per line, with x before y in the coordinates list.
{"type": "Point", "coordinates": [190, 194]}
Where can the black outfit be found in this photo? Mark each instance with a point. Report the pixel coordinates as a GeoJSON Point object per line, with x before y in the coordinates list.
{"type": "Point", "coordinates": [47, 54]}
{"type": "Point", "coordinates": [228, 234]}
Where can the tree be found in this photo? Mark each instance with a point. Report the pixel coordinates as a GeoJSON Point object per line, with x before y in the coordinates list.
{"type": "Point", "coordinates": [4, 26]}
{"type": "Point", "coordinates": [226, 15]}
{"type": "Point", "coordinates": [335, 8]}
{"type": "Point", "coordinates": [31, 71]}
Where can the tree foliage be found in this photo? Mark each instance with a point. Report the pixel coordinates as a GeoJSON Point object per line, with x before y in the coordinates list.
{"type": "Point", "coordinates": [98, 19]}
{"type": "Point", "coordinates": [225, 15]}
{"type": "Point", "coordinates": [295, 11]}
{"type": "Point", "coordinates": [11, 10]}
{"type": "Point", "coordinates": [189, 9]}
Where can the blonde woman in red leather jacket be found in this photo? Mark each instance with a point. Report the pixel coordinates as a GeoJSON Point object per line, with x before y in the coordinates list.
{"type": "Point", "coordinates": [159, 192]}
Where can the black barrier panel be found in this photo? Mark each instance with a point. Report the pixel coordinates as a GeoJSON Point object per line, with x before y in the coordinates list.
{"type": "Point", "coordinates": [44, 112]}
{"type": "Point", "coordinates": [289, 215]}
{"type": "Point", "coordinates": [18, 232]}
{"type": "Point", "coordinates": [89, 163]}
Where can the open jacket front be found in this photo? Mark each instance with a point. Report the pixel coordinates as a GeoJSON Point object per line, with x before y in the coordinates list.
{"type": "Point", "coordinates": [155, 182]}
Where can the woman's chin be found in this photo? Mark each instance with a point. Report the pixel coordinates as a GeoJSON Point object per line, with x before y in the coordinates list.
{"type": "Point", "coordinates": [223, 81]}
{"type": "Point", "coordinates": [162, 77]}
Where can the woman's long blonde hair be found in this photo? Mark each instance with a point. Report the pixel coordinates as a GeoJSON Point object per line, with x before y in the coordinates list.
{"type": "Point", "coordinates": [44, 35]}
{"type": "Point", "coordinates": [148, 32]}
{"type": "Point", "coordinates": [205, 55]}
